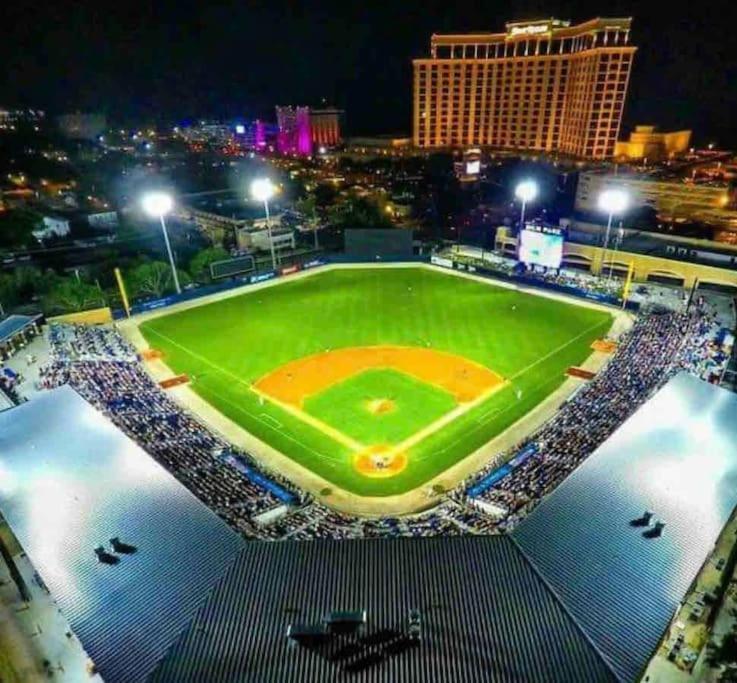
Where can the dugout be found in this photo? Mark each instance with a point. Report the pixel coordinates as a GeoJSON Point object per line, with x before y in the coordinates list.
{"type": "Point", "coordinates": [378, 244]}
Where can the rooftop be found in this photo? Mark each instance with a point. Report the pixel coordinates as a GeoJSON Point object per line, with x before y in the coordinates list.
{"type": "Point", "coordinates": [675, 457]}
{"type": "Point", "coordinates": [576, 593]}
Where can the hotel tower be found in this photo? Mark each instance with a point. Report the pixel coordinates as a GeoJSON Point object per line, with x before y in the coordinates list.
{"type": "Point", "coordinates": [541, 85]}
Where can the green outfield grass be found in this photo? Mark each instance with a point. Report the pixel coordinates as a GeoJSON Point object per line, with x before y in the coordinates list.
{"type": "Point", "coordinates": [345, 406]}
{"type": "Point", "coordinates": [225, 346]}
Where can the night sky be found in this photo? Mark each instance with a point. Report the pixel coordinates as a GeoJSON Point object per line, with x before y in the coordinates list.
{"type": "Point", "coordinates": [174, 60]}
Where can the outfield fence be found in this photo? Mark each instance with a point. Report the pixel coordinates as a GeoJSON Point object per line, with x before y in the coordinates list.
{"type": "Point", "coordinates": [316, 262]}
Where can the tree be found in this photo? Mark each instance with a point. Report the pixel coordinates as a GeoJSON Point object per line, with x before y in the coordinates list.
{"type": "Point", "coordinates": [359, 212]}
{"type": "Point", "coordinates": [30, 281]}
{"type": "Point", "coordinates": [69, 294]}
{"type": "Point", "coordinates": [16, 228]}
{"type": "Point", "coordinates": [308, 208]}
{"type": "Point", "coordinates": [729, 675]}
{"type": "Point", "coordinates": [199, 266]}
{"type": "Point", "coordinates": [324, 195]}
{"type": "Point", "coordinates": [8, 291]}
{"type": "Point", "coordinates": [153, 279]}
{"type": "Point", "coordinates": [724, 652]}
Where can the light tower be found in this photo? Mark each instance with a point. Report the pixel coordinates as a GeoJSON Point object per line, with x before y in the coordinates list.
{"type": "Point", "coordinates": [262, 189]}
{"type": "Point", "coordinates": [526, 191]}
{"type": "Point", "coordinates": [612, 201]}
{"type": "Point", "coordinates": [157, 205]}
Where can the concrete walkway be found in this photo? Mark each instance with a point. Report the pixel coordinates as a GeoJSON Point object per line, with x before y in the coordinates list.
{"type": "Point", "coordinates": [36, 643]}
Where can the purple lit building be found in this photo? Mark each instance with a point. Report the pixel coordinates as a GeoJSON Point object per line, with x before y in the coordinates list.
{"type": "Point", "coordinates": [260, 134]}
{"type": "Point", "coordinates": [294, 136]}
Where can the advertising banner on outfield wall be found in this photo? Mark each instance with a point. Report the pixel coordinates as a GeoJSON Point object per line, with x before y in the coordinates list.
{"type": "Point", "coordinates": [288, 270]}
{"type": "Point", "coordinates": [262, 277]}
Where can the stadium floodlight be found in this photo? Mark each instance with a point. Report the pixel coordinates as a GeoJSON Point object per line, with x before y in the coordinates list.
{"type": "Point", "coordinates": [157, 205]}
{"type": "Point", "coordinates": [611, 201]}
{"type": "Point", "coordinates": [526, 191]}
{"type": "Point", "coordinates": [262, 189]}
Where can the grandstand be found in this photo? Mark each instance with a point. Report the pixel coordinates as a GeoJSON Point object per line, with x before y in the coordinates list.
{"type": "Point", "coordinates": [197, 602]}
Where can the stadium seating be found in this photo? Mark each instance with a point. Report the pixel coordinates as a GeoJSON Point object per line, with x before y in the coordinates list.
{"type": "Point", "coordinates": [659, 345]}
{"type": "Point", "coordinates": [105, 370]}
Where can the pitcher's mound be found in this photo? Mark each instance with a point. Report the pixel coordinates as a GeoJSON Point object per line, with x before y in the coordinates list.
{"type": "Point", "coordinates": [379, 461]}
{"type": "Point", "coordinates": [380, 406]}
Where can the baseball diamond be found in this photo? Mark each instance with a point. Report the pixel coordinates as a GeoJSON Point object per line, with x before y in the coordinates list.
{"type": "Point", "coordinates": [377, 379]}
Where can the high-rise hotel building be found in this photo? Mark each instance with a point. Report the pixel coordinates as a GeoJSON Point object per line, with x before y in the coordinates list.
{"type": "Point", "coordinates": [541, 85]}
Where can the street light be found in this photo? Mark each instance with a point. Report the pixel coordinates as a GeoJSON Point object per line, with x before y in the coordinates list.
{"type": "Point", "coordinates": [526, 191]}
{"type": "Point", "coordinates": [262, 189]}
{"type": "Point", "coordinates": [157, 205]}
{"type": "Point", "coordinates": [612, 201]}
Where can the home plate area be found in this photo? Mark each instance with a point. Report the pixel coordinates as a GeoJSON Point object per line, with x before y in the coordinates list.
{"type": "Point", "coordinates": [379, 400]}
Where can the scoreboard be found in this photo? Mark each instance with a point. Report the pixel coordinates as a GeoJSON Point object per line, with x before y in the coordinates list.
{"type": "Point", "coordinates": [541, 245]}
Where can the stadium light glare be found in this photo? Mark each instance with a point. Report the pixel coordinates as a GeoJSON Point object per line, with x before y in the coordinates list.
{"type": "Point", "coordinates": [262, 189]}
{"type": "Point", "coordinates": [526, 191]}
{"type": "Point", "coordinates": [613, 201]}
{"type": "Point", "coordinates": [157, 205]}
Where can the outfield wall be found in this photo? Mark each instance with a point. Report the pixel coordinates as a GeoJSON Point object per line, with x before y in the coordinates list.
{"type": "Point", "coordinates": [262, 277]}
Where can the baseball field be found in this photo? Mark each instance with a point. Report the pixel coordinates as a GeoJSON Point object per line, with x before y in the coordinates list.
{"type": "Point", "coordinates": [377, 379]}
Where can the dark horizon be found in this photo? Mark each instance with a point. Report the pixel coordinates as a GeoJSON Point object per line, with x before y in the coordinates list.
{"type": "Point", "coordinates": [170, 62]}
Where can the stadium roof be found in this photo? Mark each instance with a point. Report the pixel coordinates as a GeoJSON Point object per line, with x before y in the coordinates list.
{"type": "Point", "coordinates": [69, 482]}
{"type": "Point", "coordinates": [486, 616]}
{"type": "Point", "coordinates": [575, 594]}
{"type": "Point", "coordinates": [675, 457]}
{"type": "Point", "coordinates": [14, 324]}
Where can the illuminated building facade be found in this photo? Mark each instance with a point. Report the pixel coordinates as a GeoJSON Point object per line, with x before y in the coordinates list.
{"type": "Point", "coordinates": [674, 200]}
{"type": "Point", "coordinates": [294, 135]}
{"type": "Point", "coordinates": [541, 85]}
{"type": "Point", "coordinates": [325, 127]}
{"type": "Point", "coordinates": [648, 143]}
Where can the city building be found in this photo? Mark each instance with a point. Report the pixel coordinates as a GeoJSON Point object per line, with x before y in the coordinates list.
{"type": "Point", "coordinates": [259, 239]}
{"type": "Point", "coordinates": [293, 136]}
{"type": "Point", "coordinates": [672, 199]}
{"type": "Point", "coordinates": [541, 85]}
{"type": "Point", "coordinates": [325, 127]}
{"type": "Point", "coordinates": [646, 143]}
{"type": "Point", "coordinates": [81, 126]}
{"type": "Point", "coordinates": [379, 145]}
{"type": "Point", "coordinates": [468, 169]}
{"type": "Point", "coordinates": [303, 129]}
{"type": "Point", "coordinates": [104, 220]}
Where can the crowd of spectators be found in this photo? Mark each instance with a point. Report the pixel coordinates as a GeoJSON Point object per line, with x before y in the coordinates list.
{"type": "Point", "coordinates": [101, 366]}
{"type": "Point", "coordinates": [87, 343]}
{"type": "Point", "coordinates": [105, 370]}
{"type": "Point", "coordinates": [564, 277]}
{"type": "Point", "coordinates": [659, 345]}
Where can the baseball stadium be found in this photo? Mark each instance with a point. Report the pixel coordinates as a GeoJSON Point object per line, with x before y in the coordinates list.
{"type": "Point", "coordinates": [483, 434]}
{"type": "Point", "coordinates": [451, 467]}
